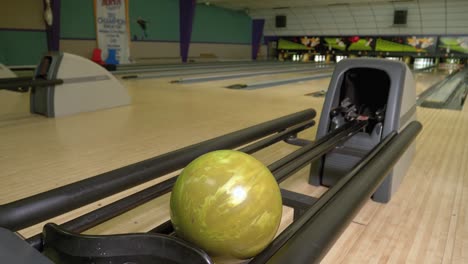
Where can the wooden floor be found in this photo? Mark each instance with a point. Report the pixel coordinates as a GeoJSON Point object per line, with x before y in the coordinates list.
{"type": "Point", "coordinates": [426, 221]}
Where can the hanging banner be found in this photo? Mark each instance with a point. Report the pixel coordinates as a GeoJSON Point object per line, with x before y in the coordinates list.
{"type": "Point", "coordinates": [112, 30]}
{"type": "Point", "coordinates": [407, 44]}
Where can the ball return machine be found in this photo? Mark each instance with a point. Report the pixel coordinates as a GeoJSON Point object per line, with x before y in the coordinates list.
{"type": "Point", "coordinates": [66, 84]}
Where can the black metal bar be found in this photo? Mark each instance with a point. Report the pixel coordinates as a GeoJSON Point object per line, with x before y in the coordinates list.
{"type": "Point", "coordinates": [321, 230]}
{"type": "Point", "coordinates": [310, 153]}
{"type": "Point", "coordinates": [34, 209]}
{"type": "Point", "coordinates": [105, 213]}
{"type": "Point", "coordinates": [298, 201]}
{"type": "Point", "coordinates": [281, 239]}
{"type": "Point", "coordinates": [276, 138]}
{"type": "Point", "coordinates": [285, 160]}
{"type": "Point", "coordinates": [294, 140]}
{"type": "Point", "coordinates": [28, 83]}
{"type": "Point", "coordinates": [98, 216]}
{"type": "Point", "coordinates": [14, 79]}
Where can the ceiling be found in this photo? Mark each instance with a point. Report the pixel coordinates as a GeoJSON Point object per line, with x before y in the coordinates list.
{"type": "Point", "coordinates": [349, 17]}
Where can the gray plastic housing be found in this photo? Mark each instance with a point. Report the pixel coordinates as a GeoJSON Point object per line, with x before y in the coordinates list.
{"type": "Point", "coordinates": [367, 81]}
{"type": "Point", "coordinates": [85, 86]}
{"type": "Point", "coordinates": [42, 99]}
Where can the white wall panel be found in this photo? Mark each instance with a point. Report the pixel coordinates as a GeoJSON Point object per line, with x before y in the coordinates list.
{"type": "Point", "coordinates": [361, 17]}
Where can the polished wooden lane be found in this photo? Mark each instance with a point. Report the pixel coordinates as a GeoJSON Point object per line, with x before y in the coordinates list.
{"type": "Point", "coordinates": [425, 222]}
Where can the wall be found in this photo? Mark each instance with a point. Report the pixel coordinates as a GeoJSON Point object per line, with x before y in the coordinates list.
{"type": "Point", "coordinates": [161, 40]}
{"type": "Point", "coordinates": [217, 32]}
{"type": "Point", "coordinates": [77, 29]}
{"type": "Point", "coordinates": [214, 24]}
{"type": "Point", "coordinates": [372, 18]}
{"type": "Point", "coordinates": [162, 17]}
{"type": "Point", "coordinates": [22, 32]}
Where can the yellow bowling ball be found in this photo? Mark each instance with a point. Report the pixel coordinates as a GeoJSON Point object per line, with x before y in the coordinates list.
{"type": "Point", "coordinates": [227, 203]}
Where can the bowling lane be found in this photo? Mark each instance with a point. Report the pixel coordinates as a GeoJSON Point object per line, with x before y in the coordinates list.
{"type": "Point", "coordinates": [244, 73]}
{"type": "Point", "coordinates": [426, 79]}
{"type": "Point", "coordinates": [195, 69]}
{"type": "Point", "coordinates": [261, 79]}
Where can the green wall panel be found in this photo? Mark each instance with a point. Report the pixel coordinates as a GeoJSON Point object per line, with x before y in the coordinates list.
{"type": "Point", "coordinates": [22, 47]}
{"type": "Point", "coordinates": [77, 19]}
{"type": "Point", "coordinates": [211, 24]}
{"type": "Point", "coordinates": [214, 24]}
{"type": "Point", "coordinates": [162, 18]}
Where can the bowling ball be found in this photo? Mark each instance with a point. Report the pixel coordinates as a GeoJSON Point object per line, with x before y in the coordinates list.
{"type": "Point", "coordinates": [353, 39]}
{"type": "Point", "coordinates": [227, 203]}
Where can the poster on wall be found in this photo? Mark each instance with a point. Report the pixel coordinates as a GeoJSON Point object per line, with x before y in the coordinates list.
{"type": "Point", "coordinates": [454, 44]}
{"type": "Point", "coordinates": [112, 30]}
{"type": "Point", "coordinates": [407, 44]}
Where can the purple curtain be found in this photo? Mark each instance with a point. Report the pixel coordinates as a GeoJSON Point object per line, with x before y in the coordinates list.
{"type": "Point", "coordinates": [186, 14]}
{"type": "Point", "coordinates": [257, 33]}
{"type": "Point", "coordinates": [53, 32]}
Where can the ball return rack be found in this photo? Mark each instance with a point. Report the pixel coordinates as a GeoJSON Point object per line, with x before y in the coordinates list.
{"type": "Point", "coordinates": [317, 223]}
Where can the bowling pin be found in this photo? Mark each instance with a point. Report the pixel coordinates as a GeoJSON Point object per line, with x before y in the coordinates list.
{"type": "Point", "coordinates": [48, 17]}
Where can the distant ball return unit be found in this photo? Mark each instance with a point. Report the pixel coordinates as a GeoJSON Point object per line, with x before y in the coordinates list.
{"type": "Point", "coordinates": [66, 84]}
{"type": "Point", "coordinates": [364, 145]}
